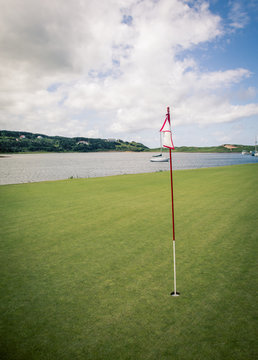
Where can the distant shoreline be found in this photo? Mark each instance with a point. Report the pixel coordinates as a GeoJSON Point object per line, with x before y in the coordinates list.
{"type": "Point", "coordinates": [218, 149]}
{"type": "Point", "coordinates": [21, 142]}
{"type": "Point", "coordinates": [209, 149]}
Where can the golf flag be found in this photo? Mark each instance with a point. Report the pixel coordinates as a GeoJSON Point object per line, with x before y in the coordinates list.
{"type": "Point", "coordinates": [166, 135]}
{"type": "Point", "coordinates": [168, 143]}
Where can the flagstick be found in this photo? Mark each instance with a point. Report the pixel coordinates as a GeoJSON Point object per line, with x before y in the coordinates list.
{"type": "Point", "coordinates": [174, 293]}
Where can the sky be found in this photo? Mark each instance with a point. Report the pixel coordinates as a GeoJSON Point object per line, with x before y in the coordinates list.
{"type": "Point", "coordinates": [110, 68]}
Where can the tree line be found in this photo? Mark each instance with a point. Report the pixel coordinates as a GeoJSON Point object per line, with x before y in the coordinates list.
{"type": "Point", "coordinates": [21, 141]}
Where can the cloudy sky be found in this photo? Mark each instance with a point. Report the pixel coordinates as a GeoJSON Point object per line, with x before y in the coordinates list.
{"type": "Point", "coordinates": [109, 69]}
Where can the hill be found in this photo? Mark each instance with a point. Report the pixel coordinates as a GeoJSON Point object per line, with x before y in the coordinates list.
{"type": "Point", "coordinates": [21, 141]}
{"type": "Point", "coordinates": [212, 149]}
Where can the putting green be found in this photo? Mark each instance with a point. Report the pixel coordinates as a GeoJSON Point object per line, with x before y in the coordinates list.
{"type": "Point", "coordinates": [87, 269]}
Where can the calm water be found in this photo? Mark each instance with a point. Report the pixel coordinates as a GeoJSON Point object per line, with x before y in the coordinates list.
{"type": "Point", "coordinates": [22, 168]}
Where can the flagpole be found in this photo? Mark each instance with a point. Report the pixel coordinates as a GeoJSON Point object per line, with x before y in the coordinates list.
{"type": "Point", "coordinates": [174, 293]}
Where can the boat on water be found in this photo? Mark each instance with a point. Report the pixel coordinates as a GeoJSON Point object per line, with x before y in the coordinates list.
{"type": "Point", "coordinates": [252, 153]}
{"type": "Point", "coordinates": [159, 157]}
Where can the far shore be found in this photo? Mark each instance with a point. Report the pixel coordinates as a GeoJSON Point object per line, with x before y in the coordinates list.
{"type": "Point", "coordinates": [184, 149]}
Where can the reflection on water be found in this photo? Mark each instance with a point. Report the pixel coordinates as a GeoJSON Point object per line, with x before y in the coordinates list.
{"type": "Point", "coordinates": [22, 168]}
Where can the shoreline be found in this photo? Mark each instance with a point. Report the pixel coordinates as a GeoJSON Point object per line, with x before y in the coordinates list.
{"type": "Point", "coordinates": [125, 174]}
{"type": "Point", "coordinates": [120, 152]}
{"type": "Point", "coordinates": [26, 168]}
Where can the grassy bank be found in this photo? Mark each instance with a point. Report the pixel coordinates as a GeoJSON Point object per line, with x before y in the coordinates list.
{"type": "Point", "coordinates": [209, 149]}
{"type": "Point", "coordinates": [87, 267]}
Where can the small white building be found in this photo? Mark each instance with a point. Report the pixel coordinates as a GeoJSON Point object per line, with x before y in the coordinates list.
{"type": "Point", "coordinates": [82, 142]}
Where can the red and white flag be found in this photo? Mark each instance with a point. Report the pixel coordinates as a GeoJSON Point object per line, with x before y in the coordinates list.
{"type": "Point", "coordinates": [166, 134]}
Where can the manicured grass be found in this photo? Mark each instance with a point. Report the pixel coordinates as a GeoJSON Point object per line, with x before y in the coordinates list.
{"type": "Point", "coordinates": [87, 267]}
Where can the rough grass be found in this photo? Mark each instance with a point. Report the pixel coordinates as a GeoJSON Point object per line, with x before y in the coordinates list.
{"type": "Point", "coordinates": [87, 267]}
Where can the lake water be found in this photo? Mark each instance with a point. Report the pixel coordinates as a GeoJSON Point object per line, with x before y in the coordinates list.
{"type": "Point", "coordinates": [23, 168]}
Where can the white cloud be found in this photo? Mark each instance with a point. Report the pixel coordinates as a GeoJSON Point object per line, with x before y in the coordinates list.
{"type": "Point", "coordinates": [237, 15]}
{"type": "Point", "coordinates": [121, 60]}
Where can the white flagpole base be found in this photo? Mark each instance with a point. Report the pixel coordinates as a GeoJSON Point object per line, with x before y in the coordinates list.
{"type": "Point", "coordinates": [174, 293]}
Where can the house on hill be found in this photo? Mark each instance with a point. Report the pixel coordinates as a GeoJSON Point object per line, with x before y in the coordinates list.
{"type": "Point", "coordinates": [230, 147]}
{"type": "Point", "coordinates": [82, 142]}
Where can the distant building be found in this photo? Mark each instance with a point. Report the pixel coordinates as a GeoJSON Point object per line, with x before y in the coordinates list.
{"type": "Point", "coordinates": [82, 142]}
{"type": "Point", "coordinates": [111, 140]}
{"type": "Point", "coordinates": [230, 147]}
{"type": "Point", "coordinates": [39, 137]}
{"type": "Point", "coordinates": [22, 137]}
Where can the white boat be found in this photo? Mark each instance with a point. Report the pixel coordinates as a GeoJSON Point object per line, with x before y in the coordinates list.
{"type": "Point", "coordinates": [244, 152]}
{"type": "Point", "coordinates": [161, 159]}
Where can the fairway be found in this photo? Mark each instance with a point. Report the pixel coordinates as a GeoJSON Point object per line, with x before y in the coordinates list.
{"type": "Point", "coordinates": [86, 267]}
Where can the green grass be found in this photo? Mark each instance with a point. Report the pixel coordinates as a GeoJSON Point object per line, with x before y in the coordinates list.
{"type": "Point", "coordinates": [87, 267]}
